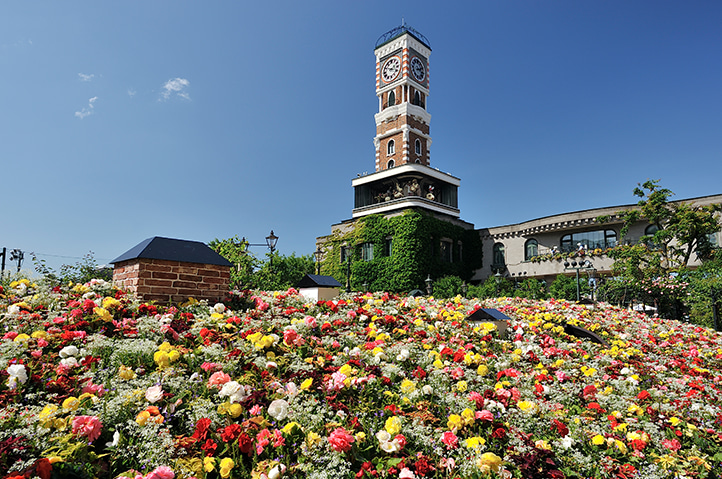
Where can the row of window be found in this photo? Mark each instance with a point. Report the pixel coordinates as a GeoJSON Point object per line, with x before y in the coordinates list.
{"type": "Point", "coordinates": [446, 251]}
{"type": "Point", "coordinates": [587, 240]}
{"type": "Point", "coordinates": [391, 147]}
{"type": "Point", "coordinates": [418, 99]}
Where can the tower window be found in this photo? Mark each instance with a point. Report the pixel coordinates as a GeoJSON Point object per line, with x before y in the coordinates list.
{"type": "Point", "coordinates": [392, 98]}
{"type": "Point", "coordinates": [391, 148]}
{"type": "Point", "coordinates": [390, 164]}
{"type": "Point", "coordinates": [418, 101]}
{"type": "Point", "coordinates": [417, 146]}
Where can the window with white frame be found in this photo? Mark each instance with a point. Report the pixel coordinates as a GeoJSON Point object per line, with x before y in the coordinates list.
{"type": "Point", "coordinates": [391, 147]}
{"type": "Point", "coordinates": [417, 146]}
{"type": "Point", "coordinates": [367, 251]}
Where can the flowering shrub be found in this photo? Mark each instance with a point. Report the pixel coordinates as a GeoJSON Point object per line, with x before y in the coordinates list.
{"type": "Point", "coordinates": [94, 383]}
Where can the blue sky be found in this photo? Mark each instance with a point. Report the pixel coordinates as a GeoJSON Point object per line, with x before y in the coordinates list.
{"type": "Point", "coordinates": [198, 120]}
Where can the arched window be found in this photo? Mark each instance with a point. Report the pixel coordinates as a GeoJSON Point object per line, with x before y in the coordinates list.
{"type": "Point", "coordinates": [498, 260]}
{"type": "Point", "coordinates": [390, 164]}
{"type": "Point", "coordinates": [417, 99]}
{"type": "Point", "coordinates": [392, 98]}
{"type": "Point", "coordinates": [417, 146]}
{"type": "Point", "coordinates": [650, 231]}
{"type": "Point", "coordinates": [391, 148]}
{"type": "Point", "coordinates": [531, 249]}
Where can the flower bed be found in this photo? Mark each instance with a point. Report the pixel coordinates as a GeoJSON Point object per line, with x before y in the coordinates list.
{"type": "Point", "coordinates": [95, 384]}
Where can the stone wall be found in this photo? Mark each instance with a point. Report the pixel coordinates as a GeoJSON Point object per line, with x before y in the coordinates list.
{"type": "Point", "coordinates": [172, 281]}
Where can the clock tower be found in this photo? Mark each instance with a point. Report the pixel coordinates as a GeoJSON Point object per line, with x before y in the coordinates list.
{"type": "Point", "coordinates": [402, 87]}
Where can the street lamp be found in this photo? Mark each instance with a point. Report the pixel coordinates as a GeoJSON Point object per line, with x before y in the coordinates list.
{"type": "Point", "coordinates": [318, 254]}
{"type": "Point", "coordinates": [497, 278]}
{"type": "Point", "coordinates": [271, 241]}
{"type": "Point", "coordinates": [582, 266]}
{"type": "Point", "coordinates": [429, 282]}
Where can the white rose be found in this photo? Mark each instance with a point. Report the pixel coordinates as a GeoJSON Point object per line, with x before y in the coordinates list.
{"type": "Point", "coordinates": [389, 446]}
{"type": "Point", "coordinates": [278, 409]}
{"type": "Point", "coordinates": [69, 362]}
{"type": "Point", "coordinates": [383, 436]}
{"type": "Point", "coordinates": [68, 351]}
{"type": "Point", "coordinates": [154, 394]}
{"type": "Point", "coordinates": [17, 373]}
{"type": "Point", "coordinates": [235, 392]}
{"type": "Point", "coordinates": [219, 308]}
{"type": "Point", "coordinates": [427, 390]}
{"type": "Point", "coordinates": [276, 472]}
{"type": "Point", "coordinates": [403, 355]}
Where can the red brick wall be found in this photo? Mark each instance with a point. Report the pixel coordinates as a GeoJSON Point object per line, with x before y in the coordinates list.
{"type": "Point", "coordinates": [172, 281]}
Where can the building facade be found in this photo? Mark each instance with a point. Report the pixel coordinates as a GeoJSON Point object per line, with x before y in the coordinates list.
{"type": "Point", "coordinates": [441, 243]}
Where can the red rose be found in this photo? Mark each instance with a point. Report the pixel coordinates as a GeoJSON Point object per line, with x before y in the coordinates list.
{"type": "Point", "coordinates": [245, 444]}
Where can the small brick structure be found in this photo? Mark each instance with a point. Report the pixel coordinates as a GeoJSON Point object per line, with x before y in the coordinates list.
{"type": "Point", "coordinates": [169, 270]}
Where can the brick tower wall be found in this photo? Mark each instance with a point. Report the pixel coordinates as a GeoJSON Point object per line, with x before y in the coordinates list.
{"type": "Point", "coordinates": [172, 281]}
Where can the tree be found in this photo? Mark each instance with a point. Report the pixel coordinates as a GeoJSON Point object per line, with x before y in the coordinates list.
{"type": "Point", "coordinates": [282, 272]}
{"type": "Point", "coordinates": [244, 264]}
{"type": "Point", "coordinates": [81, 272]}
{"type": "Point", "coordinates": [565, 287]}
{"type": "Point", "coordinates": [447, 287]}
{"type": "Point", "coordinates": [682, 229]}
{"type": "Point", "coordinates": [274, 273]}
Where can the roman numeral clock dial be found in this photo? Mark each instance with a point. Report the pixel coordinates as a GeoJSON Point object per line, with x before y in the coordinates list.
{"type": "Point", "coordinates": [418, 69]}
{"type": "Point", "coordinates": [391, 69]}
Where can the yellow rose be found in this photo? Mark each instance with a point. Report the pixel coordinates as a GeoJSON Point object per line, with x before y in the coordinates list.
{"type": "Point", "coordinates": [306, 384]}
{"type": "Point", "coordinates": [209, 464]}
{"type": "Point", "coordinates": [455, 422]}
{"type": "Point", "coordinates": [393, 425]}
{"type": "Point", "coordinates": [226, 466]}
{"type": "Point", "coordinates": [126, 373]}
{"type": "Point", "coordinates": [491, 461]}
{"type": "Point", "coordinates": [598, 440]}
{"type": "Point", "coordinates": [71, 403]}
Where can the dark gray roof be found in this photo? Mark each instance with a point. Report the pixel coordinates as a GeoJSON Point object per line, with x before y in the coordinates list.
{"type": "Point", "coordinates": [486, 314]}
{"type": "Point", "coordinates": [173, 250]}
{"type": "Point", "coordinates": [317, 280]}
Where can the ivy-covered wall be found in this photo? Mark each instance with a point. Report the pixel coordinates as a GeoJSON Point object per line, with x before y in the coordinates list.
{"type": "Point", "coordinates": [415, 252]}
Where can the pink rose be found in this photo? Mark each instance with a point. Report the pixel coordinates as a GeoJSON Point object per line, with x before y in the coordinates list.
{"type": "Point", "coordinates": [161, 472]}
{"type": "Point", "coordinates": [484, 415]}
{"type": "Point", "coordinates": [406, 473]}
{"type": "Point", "coordinates": [88, 426]}
{"type": "Point", "coordinates": [218, 379]}
{"type": "Point", "coordinates": [450, 439]}
{"type": "Point", "coordinates": [341, 440]}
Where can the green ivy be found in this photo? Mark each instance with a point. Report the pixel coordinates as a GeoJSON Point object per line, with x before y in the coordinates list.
{"type": "Point", "coordinates": [415, 252]}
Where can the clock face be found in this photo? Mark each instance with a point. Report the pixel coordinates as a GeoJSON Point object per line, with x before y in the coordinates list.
{"type": "Point", "coordinates": [391, 69]}
{"type": "Point", "coordinates": [418, 69]}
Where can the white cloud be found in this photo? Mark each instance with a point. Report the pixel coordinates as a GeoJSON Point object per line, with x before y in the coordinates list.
{"type": "Point", "coordinates": [87, 111]}
{"type": "Point", "coordinates": [84, 77]}
{"type": "Point", "coordinates": [131, 92]}
{"type": "Point", "coordinates": [176, 86]}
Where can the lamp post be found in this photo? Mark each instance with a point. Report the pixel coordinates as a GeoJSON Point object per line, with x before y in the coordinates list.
{"type": "Point", "coordinates": [318, 254]}
{"type": "Point", "coordinates": [464, 288]}
{"type": "Point", "coordinates": [348, 274]}
{"type": "Point", "coordinates": [271, 241]}
{"type": "Point", "coordinates": [497, 278]}
{"type": "Point", "coordinates": [582, 266]}
{"type": "Point", "coordinates": [714, 308]}
{"type": "Point", "coordinates": [429, 284]}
